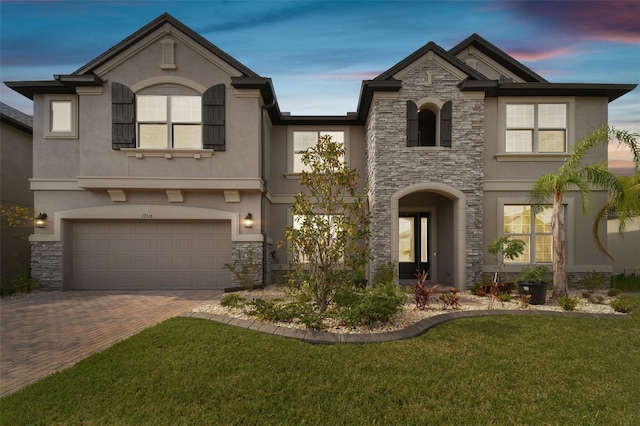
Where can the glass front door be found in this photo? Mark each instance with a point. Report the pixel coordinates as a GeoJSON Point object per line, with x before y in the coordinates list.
{"type": "Point", "coordinates": [413, 241]}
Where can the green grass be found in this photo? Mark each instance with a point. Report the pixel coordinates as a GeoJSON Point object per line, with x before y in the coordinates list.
{"type": "Point", "coordinates": [490, 370]}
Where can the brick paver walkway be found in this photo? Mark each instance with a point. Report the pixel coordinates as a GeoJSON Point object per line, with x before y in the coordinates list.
{"type": "Point", "coordinates": [48, 332]}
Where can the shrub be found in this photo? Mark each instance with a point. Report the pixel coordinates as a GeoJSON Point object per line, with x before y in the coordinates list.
{"type": "Point", "coordinates": [504, 297]}
{"type": "Point", "coordinates": [613, 292]}
{"type": "Point", "coordinates": [386, 273]}
{"type": "Point", "coordinates": [568, 303]}
{"type": "Point", "coordinates": [369, 306]}
{"type": "Point", "coordinates": [451, 300]}
{"type": "Point", "coordinates": [593, 281]}
{"type": "Point", "coordinates": [19, 283]}
{"type": "Point", "coordinates": [626, 283]}
{"type": "Point", "coordinates": [233, 300]}
{"type": "Point", "coordinates": [275, 310]}
{"type": "Point", "coordinates": [621, 305]}
{"type": "Point", "coordinates": [524, 300]}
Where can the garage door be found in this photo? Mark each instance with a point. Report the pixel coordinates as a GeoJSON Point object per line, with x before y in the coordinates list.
{"type": "Point", "coordinates": [150, 255]}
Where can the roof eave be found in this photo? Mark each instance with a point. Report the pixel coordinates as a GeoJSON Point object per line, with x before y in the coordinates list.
{"type": "Point", "coordinates": [610, 91]}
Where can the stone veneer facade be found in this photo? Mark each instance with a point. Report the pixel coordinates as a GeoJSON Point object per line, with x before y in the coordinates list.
{"type": "Point", "coordinates": [47, 264]}
{"type": "Point", "coordinates": [392, 166]}
{"type": "Point", "coordinates": [239, 253]}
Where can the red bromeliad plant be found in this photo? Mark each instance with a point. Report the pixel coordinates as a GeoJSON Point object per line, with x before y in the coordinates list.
{"type": "Point", "coordinates": [421, 294]}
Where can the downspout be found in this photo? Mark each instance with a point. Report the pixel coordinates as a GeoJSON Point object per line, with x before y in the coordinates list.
{"type": "Point", "coordinates": [263, 196]}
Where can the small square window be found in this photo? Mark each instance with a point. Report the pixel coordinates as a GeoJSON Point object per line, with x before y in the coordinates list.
{"type": "Point", "coordinates": [61, 116]}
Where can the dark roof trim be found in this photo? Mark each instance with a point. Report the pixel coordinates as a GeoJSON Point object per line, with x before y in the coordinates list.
{"type": "Point", "coordinates": [16, 118]}
{"type": "Point", "coordinates": [431, 46]}
{"type": "Point", "coordinates": [153, 26]}
{"type": "Point", "coordinates": [79, 80]}
{"type": "Point", "coordinates": [610, 91]}
{"type": "Point", "coordinates": [30, 88]}
{"type": "Point", "coordinates": [63, 84]}
{"type": "Point", "coordinates": [497, 55]}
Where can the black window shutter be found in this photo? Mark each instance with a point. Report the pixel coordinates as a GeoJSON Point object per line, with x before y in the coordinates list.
{"type": "Point", "coordinates": [213, 118]}
{"type": "Point", "coordinates": [123, 117]}
{"type": "Point", "coordinates": [412, 124]}
{"type": "Point", "coordinates": [445, 124]}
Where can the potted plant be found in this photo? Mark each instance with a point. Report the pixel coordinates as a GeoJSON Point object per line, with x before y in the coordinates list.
{"type": "Point", "coordinates": [532, 280]}
{"type": "Point", "coordinates": [504, 247]}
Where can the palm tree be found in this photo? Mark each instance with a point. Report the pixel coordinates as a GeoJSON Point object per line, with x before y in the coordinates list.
{"type": "Point", "coordinates": [626, 208]}
{"type": "Point", "coordinates": [573, 174]}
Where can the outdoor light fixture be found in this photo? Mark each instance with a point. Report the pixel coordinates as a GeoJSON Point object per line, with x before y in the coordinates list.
{"type": "Point", "coordinates": [248, 221]}
{"type": "Point", "coordinates": [41, 220]}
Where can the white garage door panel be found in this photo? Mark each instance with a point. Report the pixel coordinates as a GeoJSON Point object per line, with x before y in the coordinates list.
{"type": "Point", "coordinates": [151, 255]}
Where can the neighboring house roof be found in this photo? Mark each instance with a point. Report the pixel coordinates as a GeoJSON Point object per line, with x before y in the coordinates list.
{"type": "Point", "coordinates": [476, 81]}
{"type": "Point", "coordinates": [16, 118]}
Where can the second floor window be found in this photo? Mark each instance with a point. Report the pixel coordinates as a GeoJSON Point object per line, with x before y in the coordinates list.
{"type": "Point", "coordinates": [536, 128]}
{"type": "Point", "coordinates": [303, 140]}
{"type": "Point", "coordinates": [169, 121]}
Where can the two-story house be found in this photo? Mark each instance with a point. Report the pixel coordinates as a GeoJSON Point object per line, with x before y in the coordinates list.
{"type": "Point", "coordinates": [164, 158]}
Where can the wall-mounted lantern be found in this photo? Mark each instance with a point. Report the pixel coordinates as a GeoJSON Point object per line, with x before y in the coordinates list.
{"type": "Point", "coordinates": [41, 220]}
{"type": "Point", "coordinates": [248, 221]}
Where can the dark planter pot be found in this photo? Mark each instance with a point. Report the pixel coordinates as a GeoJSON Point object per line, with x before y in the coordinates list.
{"type": "Point", "coordinates": [538, 292]}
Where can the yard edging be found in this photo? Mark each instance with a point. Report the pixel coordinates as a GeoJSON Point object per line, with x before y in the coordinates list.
{"type": "Point", "coordinates": [421, 327]}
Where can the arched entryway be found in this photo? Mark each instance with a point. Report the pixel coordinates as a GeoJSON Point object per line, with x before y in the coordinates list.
{"type": "Point", "coordinates": [428, 232]}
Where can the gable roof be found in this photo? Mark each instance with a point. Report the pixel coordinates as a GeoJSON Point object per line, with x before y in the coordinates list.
{"type": "Point", "coordinates": [16, 118]}
{"type": "Point", "coordinates": [498, 55]}
{"type": "Point", "coordinates": [84, 76]}
{"type": "Point", "coordinates": [385, 82]}
{"type": "Point", "coordinates": [152, 26]}
{"type": "Point", "coordinates": [430, 47]}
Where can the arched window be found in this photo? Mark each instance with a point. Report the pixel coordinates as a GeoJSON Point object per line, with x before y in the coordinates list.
{"type": "Point", "coordinates": [429, 125]}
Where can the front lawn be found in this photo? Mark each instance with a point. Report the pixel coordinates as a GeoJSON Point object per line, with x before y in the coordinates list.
{"type": "Point", "coordinates": [490, 370]}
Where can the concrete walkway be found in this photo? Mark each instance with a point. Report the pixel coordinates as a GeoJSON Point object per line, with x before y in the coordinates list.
{"type": "Point", "coordinates": [48, 332]}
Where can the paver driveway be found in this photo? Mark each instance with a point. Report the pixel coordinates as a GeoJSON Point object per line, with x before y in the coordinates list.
{"type": "Point", "coordinates": [48, 332]}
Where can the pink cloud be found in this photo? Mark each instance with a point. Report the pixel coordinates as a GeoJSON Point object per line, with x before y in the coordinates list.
{"type": "Point", "coordinates": [534, 56]}
{"type": "Point", "coordinates": [348, 76]}
{"type": "Point", "coordinates": [614, 20]}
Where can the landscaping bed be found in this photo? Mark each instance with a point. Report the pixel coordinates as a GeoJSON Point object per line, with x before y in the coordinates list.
{"type": "Point", "coordinates": [410, 314]}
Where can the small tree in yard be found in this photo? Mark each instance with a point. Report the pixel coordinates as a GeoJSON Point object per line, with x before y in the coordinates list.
{"type": "Point", "coordinates": [328, 242]}
{"type": "Point", "coordinates": [573, 174]}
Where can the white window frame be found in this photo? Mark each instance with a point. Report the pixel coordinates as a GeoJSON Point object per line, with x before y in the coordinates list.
{"type": "Point", "coordinates": [570, 224]}
{"type": "Point", "coordinates": [169, 123]}
{"type": "Point", "coordinates": [48, 117]}
{"type": "Point", "coordinates": [537, 100]}
{"type": "Point", "coordinates": [531, 234]}
{"type": "Point", "coordinates": [291, 173]}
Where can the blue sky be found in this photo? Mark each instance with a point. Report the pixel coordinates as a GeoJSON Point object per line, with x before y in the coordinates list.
{"type": "Point", "coordinates": [318, 52]}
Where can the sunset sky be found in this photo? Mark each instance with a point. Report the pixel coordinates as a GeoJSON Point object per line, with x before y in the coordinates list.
{"type": "Point", "coordinates": [318, 52]}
